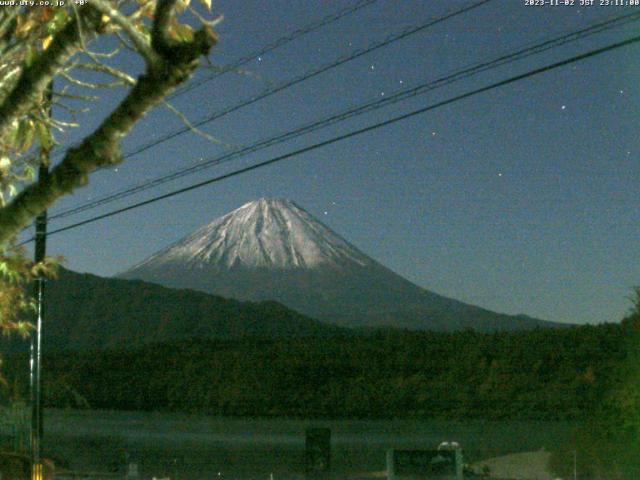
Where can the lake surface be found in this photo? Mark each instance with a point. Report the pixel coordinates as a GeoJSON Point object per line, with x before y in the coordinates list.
{"type": "Point", "coordinates": [194, 447]}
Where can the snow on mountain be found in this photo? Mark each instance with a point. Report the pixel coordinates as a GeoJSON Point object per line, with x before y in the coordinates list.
{"type": "Point", "coordinates": [267, 233]}
{"type": "Point", "coordinates": [275, 250]}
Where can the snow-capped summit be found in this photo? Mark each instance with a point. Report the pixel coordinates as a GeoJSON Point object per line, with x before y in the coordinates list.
{"type": "Point", "coordinates": [275, 250]}
{"type": "Point", "coordinates": [266, 233]}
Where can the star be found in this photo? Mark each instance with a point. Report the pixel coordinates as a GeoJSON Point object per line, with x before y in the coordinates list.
{"type": "Point", "coordinates": [564, 107]}
{"type": "Point", "coordinates": [499, 174]}
{"type": "Point", "coordinates": [401, 82]}
{"type": "Point", "coordinates": [382, 94]}
{"type": "Point", "coordinates": [326, 213]}
{"type": "Point", "coordinates": [373, 67]}
{"type": "Point", "coordinates": [259, 59]}
{"type": "Point", "coordinates": [433, 134]}
{"type": "Point", "coordinates": [621, 92]}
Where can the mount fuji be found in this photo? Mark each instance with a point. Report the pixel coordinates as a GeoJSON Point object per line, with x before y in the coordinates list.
{"type": "Point", "coordinates": [272, 249]}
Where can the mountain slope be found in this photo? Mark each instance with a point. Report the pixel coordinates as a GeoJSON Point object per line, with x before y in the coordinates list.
{"type": "Point", "coordinates": [274, 250]}
{"type": "Point", "coordinates": [89, 312]}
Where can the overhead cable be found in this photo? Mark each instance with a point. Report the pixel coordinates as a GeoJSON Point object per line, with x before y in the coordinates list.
{"type": "Point", "coordinates": [375, 126]}
{"type": "Point", "coordinates": [392, 98]}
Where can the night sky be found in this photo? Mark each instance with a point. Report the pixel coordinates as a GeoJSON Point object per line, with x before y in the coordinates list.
{"type": "Point", "coordinates": [523, 199]}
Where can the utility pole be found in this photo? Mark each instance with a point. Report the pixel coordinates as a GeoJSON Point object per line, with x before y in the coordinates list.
{"type": "Point", "coordinates": [36, 337]}
{"type": "Point", "coordinates": [36, 344]}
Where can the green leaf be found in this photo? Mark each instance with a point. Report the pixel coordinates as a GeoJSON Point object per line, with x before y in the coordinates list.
{"type": "Point", "coordinates": [184, 33]}
{"type": "Point", "coordinates": [24, 135]}
{"type": "Point", "coordinates": [57, 22]}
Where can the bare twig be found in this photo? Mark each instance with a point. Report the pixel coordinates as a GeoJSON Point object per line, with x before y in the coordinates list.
{"type": "Point", "coordinates": [210, 23]}
{"type": "Point", "coordinates": [61, 125]}
{"type": "Point", "coordinates": [196, 130]}
{"type": "Point", "coordinates": [108, 70]}
{"type": "Point", "coordinates": [125, 43]}
{"type": "Point", "coordinates": [71, 111]}
{"type": "Point", "coordinates": [92, 85]}
{"type": "Point", "coordinates": [69, 96]}
{"type": "Point", "coordinates": [76, 14]}
{"type": "Point", "coordinates": [85, 48]}
{"type": "Point", "coordinates": [110, 54]}
{"type": "Point", "coordinates": [238, 71]}
{"type": "Point", "coordinates": [138, 39]}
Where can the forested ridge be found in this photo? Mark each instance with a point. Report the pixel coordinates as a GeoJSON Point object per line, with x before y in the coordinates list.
{"type": "Point", "coordinates": [539, 374]}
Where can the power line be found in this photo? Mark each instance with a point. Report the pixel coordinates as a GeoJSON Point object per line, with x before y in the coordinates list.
{"type": "Point", "coordinates": [274, 45]}
{"type": "Point", "coordinates": [354, 111]}
{"type": "Point", "coordinates": [313, 73]}
{"type": "Point", "coordinates": [538, 71]}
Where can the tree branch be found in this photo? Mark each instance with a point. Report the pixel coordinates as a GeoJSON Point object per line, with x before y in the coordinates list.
{"type": "Point", "coordinates": [175, 63]}
{"type": "Point", "coordinates": [140, 42]}
{"type": "Point", "coordinates": [34, 79]}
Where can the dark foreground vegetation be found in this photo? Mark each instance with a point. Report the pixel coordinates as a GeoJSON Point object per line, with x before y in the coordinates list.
{"type": "Point", "coordinates": [539, 374]}
{"type": "Point", "coordinates": [588, 374]}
